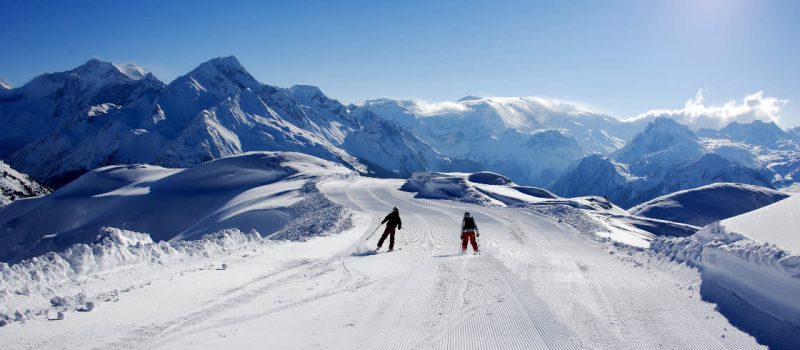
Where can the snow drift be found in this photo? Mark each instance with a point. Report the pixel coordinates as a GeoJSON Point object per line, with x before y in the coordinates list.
{"type": "Point", "coordinates": [703, 205]}
{"type": "Point", "coordinates": [270, 192]}
{"type": "Point", "coordinates": [756, 257]}
{"type": "Point", "coordinates": [80, 276]}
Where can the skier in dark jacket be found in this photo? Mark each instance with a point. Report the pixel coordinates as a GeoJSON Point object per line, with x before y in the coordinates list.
{"type": "Point", "coordinates": [392, 220]}
{"type": "Point", "coordinates": [469, 230]}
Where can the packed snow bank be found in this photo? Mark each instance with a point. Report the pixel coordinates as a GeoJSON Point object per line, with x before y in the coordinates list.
{"type": "Point", "coordinates": [273, 193]}
{"type": "Point", "coordinates": [703, 205]}
{"type": "Point", "coordinates": [84, 274]}
{"type": "Point", "coordinates": [589, 215]}
{"type": "Point", "coordinates": [778, 224]}
{"type": "Point", "coordinates": [755, 256]}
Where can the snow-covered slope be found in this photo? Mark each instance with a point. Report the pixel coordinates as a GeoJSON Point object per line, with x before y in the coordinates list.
{"type": "Point", "coordinates": [4, 85]}
{"type": "Point", "coordinates": [529, 139]}
{"type": "Point", "coordinates": [703, 205]}
{"type": "Point", "coordinates": [542, 281]}
{"type": "Point", "coordinates": [15, 185]}
{"type": "Point", "coordinates": [666, 157]}
{"type": "Point", "coordinates": [751, 264]}
{"type": "Point", "coordinates": [266, 192]}
{"type": "Point", "coordinates": [64, 124]}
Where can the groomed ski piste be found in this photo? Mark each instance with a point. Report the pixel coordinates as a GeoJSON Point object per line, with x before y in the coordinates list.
{"type": "Point", "coordinates": [553, 273]}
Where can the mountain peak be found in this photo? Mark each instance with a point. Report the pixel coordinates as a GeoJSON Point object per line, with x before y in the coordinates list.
{"type": "Point", "coordinates": [95, 68]}
{"type": "Point", "coordinates": [132, 71]}
{"type": "Point", "coordinates": [224, 64]}
{"type": "Point", "coordinates": [668, 125]}
{"type": "Point", "coordinates": [217, 70]}
{"type": "Point", "coordinates": [756, 132]}
{"type": "Point", "coordinates": [306, 92]}
{"type": "Point", "coordinates": [660, 135]}
{"type": "Point", "coordinates": [4, 85]}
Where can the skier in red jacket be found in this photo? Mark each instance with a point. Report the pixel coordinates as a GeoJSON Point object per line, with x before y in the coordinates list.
{"type": "Point", "coordinates": [469, 230]}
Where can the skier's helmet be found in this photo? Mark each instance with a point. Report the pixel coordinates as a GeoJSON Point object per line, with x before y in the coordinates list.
{"type": "Point", "coordinates": [466, 215]}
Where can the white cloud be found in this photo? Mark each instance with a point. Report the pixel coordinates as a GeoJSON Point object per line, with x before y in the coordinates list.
{"type": "Point", "coordinates": [424, 108]}
{"type": "Point", "coordinates": [697, 115]}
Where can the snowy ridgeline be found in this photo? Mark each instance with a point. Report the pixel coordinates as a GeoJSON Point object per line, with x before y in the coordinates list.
{"type": "Point", "coordinates": [754, 255]}
{"type": "Point", "coordinates": [84, 274]}
{"type": "Point", "coordinates": [707, 204]}
{"type": "Point", "coordinates": [589, 215]}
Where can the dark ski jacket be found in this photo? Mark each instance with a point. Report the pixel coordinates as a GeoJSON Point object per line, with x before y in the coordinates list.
{"type": "Point", "coordinates": [393, 220]}
{"type": "Point", "coordinates": [468, 225]}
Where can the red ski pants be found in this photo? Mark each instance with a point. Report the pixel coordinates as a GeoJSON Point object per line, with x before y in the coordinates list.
{"type": "Point", "coordinates": [468, 237]}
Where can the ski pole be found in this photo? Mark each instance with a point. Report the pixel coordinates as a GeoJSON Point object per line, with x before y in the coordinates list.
{"type": "Point", "coordinates": [404, 237]}
{"type": "Point", "coordinates": [373, 232]}
{"type": "Point", "coordinates": [478, 241]}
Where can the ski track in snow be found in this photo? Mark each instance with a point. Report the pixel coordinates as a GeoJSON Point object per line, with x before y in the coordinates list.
{"type": "Point", "coordinates": [537, 285]}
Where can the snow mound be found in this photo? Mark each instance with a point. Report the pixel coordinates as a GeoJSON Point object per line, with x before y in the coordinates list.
{"type": "Point", "coordinates": [273, 193]}
{"type": "Point", "coordinates": [78, 276]}
{"type": "Point", "coordinates": [452, 186]}
{"type": "Point", "coordinates": [755, 256]}
{"type": "Point", "coordinates": [703, 205]}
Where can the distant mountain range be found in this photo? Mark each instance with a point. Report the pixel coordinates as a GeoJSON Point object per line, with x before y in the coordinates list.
{"type": "Point", "coordinates": [668, 157]}
{"type": "Point", "coordinates": [61, 125]}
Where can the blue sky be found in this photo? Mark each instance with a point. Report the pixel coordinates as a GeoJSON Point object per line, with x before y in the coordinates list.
{"type": "Point", "coordinates": [619, 57]}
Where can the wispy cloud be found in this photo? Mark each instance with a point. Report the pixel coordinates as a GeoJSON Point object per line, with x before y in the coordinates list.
{"type": "Point", "coordinates": [697, 115]}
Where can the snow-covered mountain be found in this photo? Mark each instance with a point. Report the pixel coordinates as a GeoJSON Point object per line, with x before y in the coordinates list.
{"type": "Point", "coordinates": [4, 85]}
{"type": "Point", "coordinates": [65, 124]}
{"type": "Point", "coordinates": [703, 205]}
{"type": "Point", "coordinates": [758, 145]}
{"type": "Point", "coordinates": [757, 133]}
{"type": "Point", "coordinates": [794, 132]}
{"type": "Point", "coordinates": [529, 139]}
{"type": "Point", "coordinates": [15, 185]}
{"type": "Point", "coordinates": [666, 157]}
{"type": "Point", "coordinates": [62, 124]}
